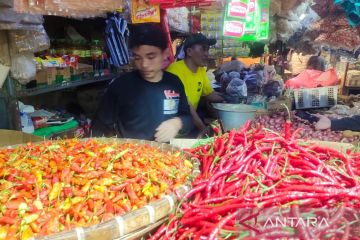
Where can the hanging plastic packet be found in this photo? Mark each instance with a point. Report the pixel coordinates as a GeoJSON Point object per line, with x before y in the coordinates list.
{"type": "Point", "coordinates": [234, 29]}
{"type": "Point", "coordinates": [142, 12]}
{"type": "Point", "coordinates": [250, 26]}
{"type": "Point", "coordinates": [264, 22]}
{"type": "Point", "coordinates": [237, 9]}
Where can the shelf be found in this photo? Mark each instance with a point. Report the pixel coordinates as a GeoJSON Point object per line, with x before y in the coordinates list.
{"type": "Point", "coordinates": [62, 86]}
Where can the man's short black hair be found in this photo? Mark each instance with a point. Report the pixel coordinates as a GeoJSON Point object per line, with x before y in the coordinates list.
{"type": "Point", "coordinates": [147, 34]}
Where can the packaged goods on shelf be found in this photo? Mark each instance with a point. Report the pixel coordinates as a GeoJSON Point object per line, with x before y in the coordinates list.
{"type": "Point", "coordinates": [29, 40]}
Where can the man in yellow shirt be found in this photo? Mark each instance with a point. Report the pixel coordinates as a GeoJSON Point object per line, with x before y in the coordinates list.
{"type": "Point", "coordinates": [192, 73]}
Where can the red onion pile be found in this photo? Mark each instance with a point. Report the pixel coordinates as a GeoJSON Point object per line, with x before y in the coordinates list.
{"type": "Point", "coordinates": [276, 122]}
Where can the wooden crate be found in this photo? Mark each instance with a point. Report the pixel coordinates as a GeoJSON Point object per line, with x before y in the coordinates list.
{"type": "Point", "coordinates": [137, 223]}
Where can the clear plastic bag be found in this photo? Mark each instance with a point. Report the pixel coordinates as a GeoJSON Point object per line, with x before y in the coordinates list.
{"type": "Point", "coordinates": [6, 3]}
{"type": "Point", "coordinates": [10, 20]}
{"type": "Point", "coordinates": [9, 15]}
{"type": "Point", "coordinates": [23, 67]}
{"type": "Point", "coordinates": [178, 18]}
{"type": "Point", "coordinates": [233, 75]}
{"type": "Point", "coordinates": [29, 40]}
{"type": "Point", "coordinates": [237, 88]}
{"type": "Point", "coordinates": [69, 8]}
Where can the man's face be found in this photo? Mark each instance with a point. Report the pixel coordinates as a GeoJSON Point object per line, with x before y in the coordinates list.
{"type": "Point", "coordinates": [148, 60]}
{"type": "Point", "coordinates": [199, 54]}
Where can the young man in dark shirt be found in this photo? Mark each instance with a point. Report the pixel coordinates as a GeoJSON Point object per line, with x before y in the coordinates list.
{"type": "Point", "coordinates": [147, 103]}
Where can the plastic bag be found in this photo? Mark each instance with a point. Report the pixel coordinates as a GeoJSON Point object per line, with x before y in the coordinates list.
{"type": "Point", "coordinates": [340, 109]}
{"type": "Point", "coordinates": [232, 66]}
{"type": "Point", "coordinates": [9, 20]}
{"type": "Point", "coordinates": [286, 28]}
{"type": "Point", "coordinates": [178, 18]}
{"type": "Point", "coordinates": [313, 79]}
{"type": "Point", "coordinates": [233, 75]}
{"type": "Point", "coordinates": [273, 89]}
{"type": "Point", "coordinates": [28, 40]}
{"type": "Point", "coordinates": [269, 73]}
{"type": "Point", "coordinates": [224, 81]}
{"type": "Point", "coordinates": [275, 8]}
{"type": "Point", "coordinates": [68, 8]}
{"type": "Point", "coordinates": [237, 88]}
{"type": "Point", "coordinates": [298, 62]}
{"type": "Point", "coordinates": [23, 67]}
{"type": "Point", "coordinates": [6, 3]}
{"type": "Point", "coordinates": [9, 15]}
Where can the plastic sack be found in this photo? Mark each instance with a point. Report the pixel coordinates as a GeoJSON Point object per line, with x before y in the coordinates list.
{"type": "Point", "coordinates": [273, 89]}
{"type": "Point", "coordinates": [178, 18]}
{"type": "Point", "coordinates": [9, 15]}
{"type": "Point", "coordinates": [23, 67]}
{"type": "Point", "coordinates": [232, 66]}
{"type": "Point", "coordinates": [298, 62]}
{"type": "Point", "coordinates": [237, 88]}
{"type": "Point", "coordinates": [233, 75]}
{"type": "Point", "coordinates": [9, 20]}
{"type": "Point", "coordinates": [28, 40]}
{"type": "Point", "coordinates": [225, 78]}
{"type": "Point", "coordinates": [313, 79]}
{"type": "Point", "coordinates": [269, 73]}
{"type": "Point", "coordinates": [340, 109]}
{"type": "Point", "coordinates": [224, 81]}
{"type": "Point", "coordinates": [275, 8]}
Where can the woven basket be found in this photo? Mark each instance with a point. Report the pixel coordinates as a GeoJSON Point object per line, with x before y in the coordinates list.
{"type": "Point", "coordinates": [137, 223]}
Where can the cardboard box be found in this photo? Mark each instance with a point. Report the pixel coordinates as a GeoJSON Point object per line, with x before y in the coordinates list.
{"type": "Point", "coordinates": [63, 73]}
{"type": "Point", "coordinates": [10, 137]}
{"type": "Point", "coordinates": [46, 76]}
{"type": "Point", "coordinates": [82, 68]}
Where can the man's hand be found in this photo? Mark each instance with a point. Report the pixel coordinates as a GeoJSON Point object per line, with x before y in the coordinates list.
{"type": "Point", "coordinates": [168, 130]}
{"type": "Point", "coordinates": [204, 132]}
{"type": "Point", "coordinates": [214, 97]}
{"type": "Point", "coordinates": [323, 123]}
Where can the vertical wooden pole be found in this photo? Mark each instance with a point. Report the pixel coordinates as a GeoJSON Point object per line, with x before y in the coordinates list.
{"type": "Point", "coordinates": [343, 86]}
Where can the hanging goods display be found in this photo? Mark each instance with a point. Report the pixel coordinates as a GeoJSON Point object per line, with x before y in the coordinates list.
{"type": "Point", "coordinates": [247, 20]}
{"type": "Point", "coordinates": [142, 12]}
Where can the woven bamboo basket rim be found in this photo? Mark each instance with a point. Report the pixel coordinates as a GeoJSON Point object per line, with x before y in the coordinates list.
{"type": "Point", "coordinates": [133, 224]}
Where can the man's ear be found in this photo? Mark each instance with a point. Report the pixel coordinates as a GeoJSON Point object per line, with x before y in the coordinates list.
{"type": "Point", "coordinates": [166, 53]}
{"type": "Point", "coordinates": [188, 52]}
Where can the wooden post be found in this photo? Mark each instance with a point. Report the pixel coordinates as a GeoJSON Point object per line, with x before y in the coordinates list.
{"type": "Point", "coordinates": [344, 91]}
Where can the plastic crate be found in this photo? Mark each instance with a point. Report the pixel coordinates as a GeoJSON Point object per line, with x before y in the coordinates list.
{"type": "Point", "coordinates": [315, 97]}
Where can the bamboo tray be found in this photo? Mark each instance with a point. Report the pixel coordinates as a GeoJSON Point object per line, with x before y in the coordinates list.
{"type": "Point", "coordinates": [137, 223]}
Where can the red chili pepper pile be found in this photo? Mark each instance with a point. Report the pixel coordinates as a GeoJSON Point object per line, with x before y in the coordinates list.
{"type": "Point", "coordinates": [250, 175]}
{"type": "Point", "coordinates": [54, 186]}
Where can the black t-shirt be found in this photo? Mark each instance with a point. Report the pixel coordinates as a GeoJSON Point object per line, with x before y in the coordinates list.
{"type": "Point", "coordinates": [135, 107]}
